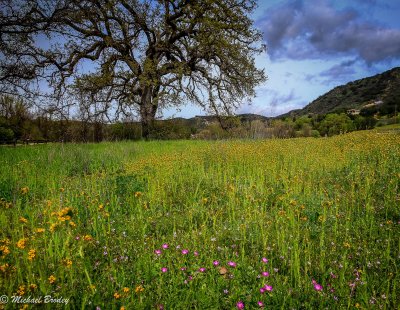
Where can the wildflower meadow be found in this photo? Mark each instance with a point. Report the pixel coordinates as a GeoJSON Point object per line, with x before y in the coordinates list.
{"type": "Point", "coordinates": [238, 224]}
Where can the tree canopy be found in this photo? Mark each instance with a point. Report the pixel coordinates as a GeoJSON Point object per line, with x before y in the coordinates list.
{"type": "Point", "coordinates": [146, 55]}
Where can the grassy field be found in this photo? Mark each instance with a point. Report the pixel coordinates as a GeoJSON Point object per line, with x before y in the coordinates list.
{"type": "Point", "coordinates": [282, 224]}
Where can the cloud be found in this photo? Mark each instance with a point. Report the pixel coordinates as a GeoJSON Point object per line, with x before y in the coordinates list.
{"type": "Point", "coordinates": [315, 29]}
{"type": "Point", "coordinates": [340, 71]}
{"type": "Point", "coordinates": [274, 103]}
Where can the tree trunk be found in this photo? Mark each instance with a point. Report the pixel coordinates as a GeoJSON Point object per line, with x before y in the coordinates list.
{"type": "Point", "coordinates": [147, 113]}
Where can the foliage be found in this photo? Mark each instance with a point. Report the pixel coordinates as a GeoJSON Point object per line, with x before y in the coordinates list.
{"type": "Point", "coordinates": [334, 124]}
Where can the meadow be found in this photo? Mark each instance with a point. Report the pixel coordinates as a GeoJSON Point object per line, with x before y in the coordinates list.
{"type": "Point", "coordinates": [277, 224]}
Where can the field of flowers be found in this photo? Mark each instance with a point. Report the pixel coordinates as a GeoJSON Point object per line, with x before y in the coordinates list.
{"type": "Point", "coordinates": [278, 224]}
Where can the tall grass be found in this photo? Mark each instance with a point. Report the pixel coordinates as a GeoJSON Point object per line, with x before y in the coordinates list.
{"type": "Point", "coordinates": [301, 223]}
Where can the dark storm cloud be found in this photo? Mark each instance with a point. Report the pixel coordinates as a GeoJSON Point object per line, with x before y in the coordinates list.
{"type": "Point", "coordinates": [314, 29]}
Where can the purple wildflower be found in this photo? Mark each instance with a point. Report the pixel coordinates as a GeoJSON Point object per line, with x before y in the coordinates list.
{"type": "Point", "coordinates": [268, 288]}
{"type": "Point", "coordinates": [264, 260]}
{"type": "Point", "coordinates": [232, 264]}
{"type": "Point", "coordinates": [265, 274]}
{"type": "Point", "coordinates": [240, 305]}
{"type": "Point", "coordinates": [165, 246]}
{"type": "Point", "coordinates": [215, 263]}
{"type": "Point", "coordinates": [164, 269]}
{"type": "Point", "coordinates": [317, 287]}
{"type": "Point", "coordinates": [157, 252]}
{"type": "Point", "coordinates": [260, 304]}
{"type": "Point", "coordinates": [184, 252]}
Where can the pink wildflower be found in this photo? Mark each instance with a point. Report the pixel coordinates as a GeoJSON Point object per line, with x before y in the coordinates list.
{"type": "Point", "coordinates": [317, 287]}
{"type": "Point", "coordinates": [240, 305]}
{"type": "Point", "coordinates": [232, 264]}
{"type": "Point", "coordinates": [268, 288]}
{"type": "Point", "coordinates": [164, 269]}
{"type": "Point", "coordinates": [157, 252]}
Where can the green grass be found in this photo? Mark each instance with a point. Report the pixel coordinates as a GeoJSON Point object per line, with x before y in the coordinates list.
{"type": "Point", "coordinates": [325, 210]}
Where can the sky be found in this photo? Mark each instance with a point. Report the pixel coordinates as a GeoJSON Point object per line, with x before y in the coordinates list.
{"type": "Point", "coordinates": [316, 45]}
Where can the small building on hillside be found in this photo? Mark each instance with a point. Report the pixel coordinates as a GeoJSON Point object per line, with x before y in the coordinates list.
{"type": "Point", "coordinates": [353, 112]}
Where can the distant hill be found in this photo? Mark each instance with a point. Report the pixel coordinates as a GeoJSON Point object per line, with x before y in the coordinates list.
{"type": "Point", "coordinates": [201, 121]}
{"type": "Point", "coordinates": [377, 94]}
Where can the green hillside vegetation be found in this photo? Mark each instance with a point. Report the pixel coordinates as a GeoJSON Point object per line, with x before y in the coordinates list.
{"type": "Point", "coordinates": [379, 94]}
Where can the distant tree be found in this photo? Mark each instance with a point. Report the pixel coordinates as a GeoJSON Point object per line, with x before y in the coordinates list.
{"type": "Point", "coordinates": [146, 54]}
{"type": "Point", "coordinates": [257, 129]}
{"type": "Point", "coordinates": [283, 128]}
{"type": "Point", "coordinates": [6, 134]}
{"type": "Point", "coordinates": [334, 124]}
{"type": "Point", "coordinates": [16, 116]}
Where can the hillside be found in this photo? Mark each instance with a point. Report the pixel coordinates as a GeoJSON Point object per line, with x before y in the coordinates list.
{"type": "Point", "coordinates": [377, 94]}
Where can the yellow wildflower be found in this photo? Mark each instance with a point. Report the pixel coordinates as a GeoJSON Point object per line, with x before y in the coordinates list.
{"type": "Point", "coordinates": [24, 190]}
{"type": "Point", "coordinates": [52, 279]}
{"type": "Point", "coordinates": [4, 267]}
{"type": "Point", "coordinates": [139, 289]}
{"type": "Point", "coordinates": [116, 295]}
{"type": "Point", "coordinates": [282, 212]}
{"type": "Point", "coordinates": [21, 290]}
{"type": "Point", "coordinates": [40, 230]}
{"type": "Point", "coordinates": [122, 308]}
{"type": "Point", "coordinates": [24, 307]}
{"type": "Point", "coordinates": [101, 207]}
{"type": "Point", "coordinates": [65, 214]}
{"type": "Point", "coordinates": [72, 224]}
{"type": "Point", "coordinates": [88, 238]}
{"type": "Point", "coordinates": [33, 287]}
{"type": "Point", "coordinates": [4, 250]}
{"type": "Point", "coordinates": [138, 194]}
{"type": "Point", "coordinates": [53, 227]}
{"type": "Point", "coordinates": [31, 254]}
{"type": "Point", "coordinates": [126, 289]}
{"type": "Point", "coordinates": [21, 243]}
{"type": "Point", "coordinates": [67, 262]}
{"type": "Point", "coordinates": [23, 220]}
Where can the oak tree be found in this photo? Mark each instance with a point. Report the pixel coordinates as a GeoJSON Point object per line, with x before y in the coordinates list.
{"type": "Point", "coordinates": [144, 54]}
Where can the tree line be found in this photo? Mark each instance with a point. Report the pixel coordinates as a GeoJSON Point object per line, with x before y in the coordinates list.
{"type": "Point", "coordinates": [21, 121]}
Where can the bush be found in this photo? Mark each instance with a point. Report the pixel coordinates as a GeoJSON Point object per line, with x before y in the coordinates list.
{"type": "Point", "coordinates": [6, 134]}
